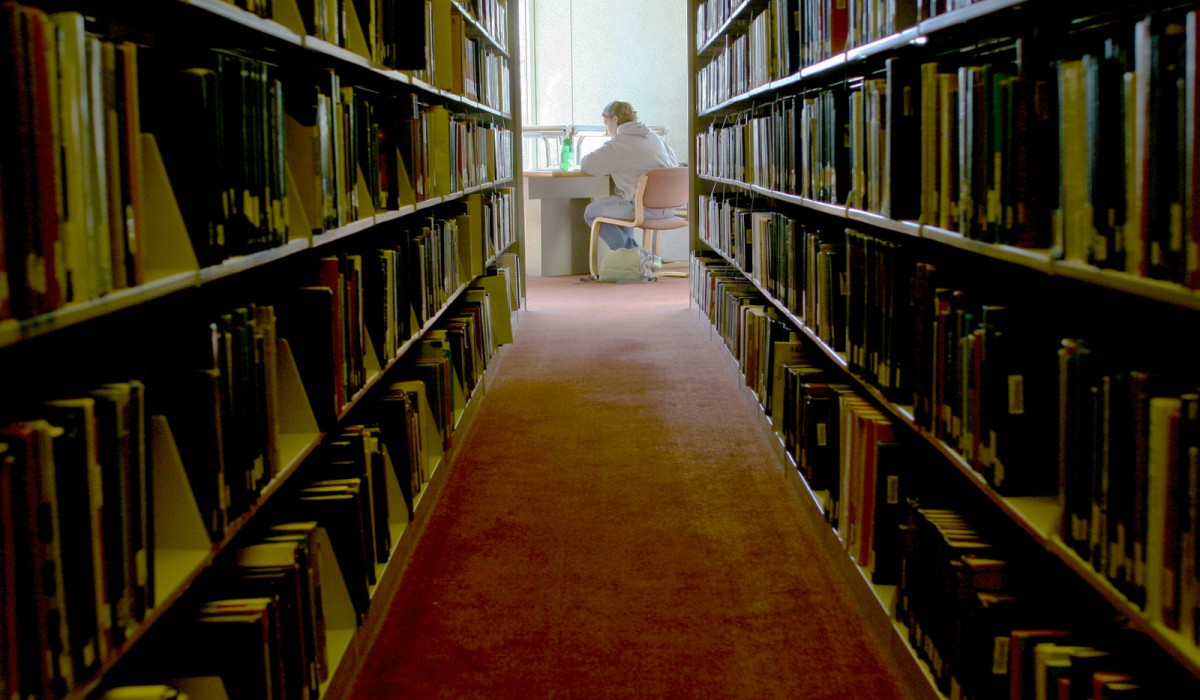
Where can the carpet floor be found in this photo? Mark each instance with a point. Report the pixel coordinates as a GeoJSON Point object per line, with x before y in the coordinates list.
{"type": "Point", "coordinates": [617, 526]}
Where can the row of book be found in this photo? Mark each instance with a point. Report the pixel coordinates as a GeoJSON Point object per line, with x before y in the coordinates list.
{"type": "Point", "coordinates": [744, 62]}
{"type": "Point", "coordinates": [70, 182]}
{"type": "Point", "coordinates": [492, 15]}
{"type": "Point", "coordinates": [963, 365]}
{"type": "Point", "coordinates": [969, 367]}
{"type": "Point", "coordinates": [76, 542]}
{"type": "Point", "coordinates": [478, 72]}
{"type": "Point", "coordinates": [1128, 462]}
{"type": "Point", "coordinates": [262, 625]}
{"type": "Point", "coordinates": [459, 61]}
{"type": "Point", "coordinates": [355, 312]}
{"type": "Point", "coordinates": [380, 30]}
{"type": "Point", "coordinates": [1115, 123]}
{"type": "Point", "coordinates": [986, 384]}
{"type": "Point", "coordinates": [786, 36]}
{"type": "Point", "coordinates": [846, 449]}
{"type": "Point", "coordinates": [991, 628]}
{"type": "Point", "coordinates": [441, 154]}
{"type": "Point", "coordinates": [359, 487]}
{"type": "Point", "coordinates": [77, 490]}
{"type": "Point", "coordinates": [986, 626]}
{"type": "Point", "coordinates": [441, 52]}
{"type": "Point", "coordinates": [803, 265]}
{"type": "Point", "coordinates": [391, 292]}
{"type": "Point", "coordinates": [983, 378]}
{"type": "Point", "coordinates": [245, 149]}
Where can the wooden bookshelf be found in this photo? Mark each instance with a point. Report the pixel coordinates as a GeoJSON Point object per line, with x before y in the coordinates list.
{"type": "Point", "coordinates": [252, 285]}
{"type": "Point", "coordinates": [821, 210]}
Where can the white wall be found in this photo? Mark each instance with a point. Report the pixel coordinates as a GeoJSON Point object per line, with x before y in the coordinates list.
{"type": "Point", "coordinates": [589, 52]}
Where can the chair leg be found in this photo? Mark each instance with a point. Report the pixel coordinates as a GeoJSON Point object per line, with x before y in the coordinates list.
{"type": "Point", "coordinates": [650, 240]}
{"type": "Point", "coordinates": [593, 251]}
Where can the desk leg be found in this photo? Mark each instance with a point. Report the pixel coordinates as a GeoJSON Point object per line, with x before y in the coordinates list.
{"type": "Point", "coordinates": [564, 237]}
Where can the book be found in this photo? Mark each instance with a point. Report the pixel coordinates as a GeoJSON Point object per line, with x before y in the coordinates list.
{"type": "Point", "coordinates": [30, 210]}
{"type": "Point", "coordinates": [401, 435]}
{"type": "Point", "coordinates": [337, 508]}
{"type": "Point", "coordinates": [1189, 519]}
{"type": "Point", "coordinates": [1190, 147]}
{"type": "Point", "coordinates": [43, 648]}
{"type": "Point", "coordinates": [191, 403]}
{"type": "Point", "coordinates": [237, 640]}
{"type": "Point", "coordinates": [306, 320]}
{"type": "Point", "coordinates": [274, 570]}
{"type": "Point", "coordinates": [1022, 671]}
{"type": "Point", "coordinates": [305, 536]}
{"type": "Point", "coordinates": [76, 226]}
{"type": "Point", "coordinates": [886, 544]}
{"type": "Point", "coordinates": [901, 198]}
{"type": "Point", "coordinates": [185, 118]}
{"type": "Point", "coordinates": [81, 510]}
{"type": "Point", "coordinates": [10, 635]}
{"type": "Point", "coordinates": [1162, 511]}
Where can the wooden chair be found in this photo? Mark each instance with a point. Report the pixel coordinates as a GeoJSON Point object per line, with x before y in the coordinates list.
{"type": "Point", "coordinates": [663, 188]}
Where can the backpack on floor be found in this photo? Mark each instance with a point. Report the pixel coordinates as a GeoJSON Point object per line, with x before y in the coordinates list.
{"type": "Point", "coordinates": [627, 265]}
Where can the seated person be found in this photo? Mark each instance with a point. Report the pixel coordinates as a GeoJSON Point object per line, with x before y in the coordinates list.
{"type": "Point", "coordinates": [632, 151]}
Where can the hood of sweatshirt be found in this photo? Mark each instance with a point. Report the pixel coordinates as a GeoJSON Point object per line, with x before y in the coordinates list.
{"type": "Point", "coordinates": [633, 129]}
{"type": "Point", "coordinates": [627, 155]}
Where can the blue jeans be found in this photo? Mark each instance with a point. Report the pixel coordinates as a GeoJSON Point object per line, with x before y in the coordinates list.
{"type": "Point", "coordinates": [617, 207]}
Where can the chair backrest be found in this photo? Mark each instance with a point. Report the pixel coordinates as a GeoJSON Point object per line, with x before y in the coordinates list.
{"type": "Point", "coordinates": [665, 188]}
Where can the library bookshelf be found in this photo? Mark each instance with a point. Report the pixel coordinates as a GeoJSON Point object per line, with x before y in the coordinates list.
{"type": "Point", "coordinates": [258, 262]}
{"type": "Point", "coordinates": [951, 248]}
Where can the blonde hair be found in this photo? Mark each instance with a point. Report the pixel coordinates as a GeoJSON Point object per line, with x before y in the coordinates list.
{"type": "Point", "coordinates": [623, 111]}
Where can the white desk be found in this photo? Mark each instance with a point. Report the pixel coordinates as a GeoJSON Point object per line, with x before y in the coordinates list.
{"type": "Point", "coordinates": [556, 238]}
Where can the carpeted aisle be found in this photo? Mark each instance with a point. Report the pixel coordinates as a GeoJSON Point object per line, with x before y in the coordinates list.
{"type": "Point", "coordinates": [618, 527]}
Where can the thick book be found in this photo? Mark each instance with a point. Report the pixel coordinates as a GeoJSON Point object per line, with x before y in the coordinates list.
{"type": "Point", "coordinates": [306, 320]}
{"type": "Point", "coordinates": [30, 208]}
{"type": "Point", "coordinates": [274, 570]}
{"type": "Point", "coordinates": [886, 542]}
{"type": "Point", "coordinates": [305, 535]}
{"type": "Point", "coordinates": [377, 473]}
{"type": "Point", "coordinates": [239, 641]}
{"type": "Point", "coordinates": [396, 414]}
{"type": "Point", "coordinates": [338, 509]}
{"type": "Point", "coordinates": [191, 402]}
{"type": "Point", "coordinates": [349, 455]}
{"type": "Point", "coordinates": [360, 487]}
{"type": "Point", "coordinates": [903, 138]}
{"type": "Point", "coordinates": [1021, 669]}
{"type": "Point", "coordinates": [10, 636]}
{"type": "Point", "coordinates": [81, 502]}
{"type": "Point", "coordinates": [1162, 511]}
{"type": "Point", "coordinates": [43, 644]}
{"type": "Point", "coordinates": [184, 115]}
{"type": "Point", "coordinates": [121, 425]}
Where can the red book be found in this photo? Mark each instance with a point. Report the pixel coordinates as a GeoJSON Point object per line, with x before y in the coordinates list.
{"type": "Point", "coordinates": [839, 26]}
{"type": "Point", "coordinates": [31, 213]}
{"type": "Point", "coordinates": [329, 275]}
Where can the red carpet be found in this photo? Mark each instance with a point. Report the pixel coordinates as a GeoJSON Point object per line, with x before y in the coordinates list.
{"type": "Point", "coordinates": [617, 526]}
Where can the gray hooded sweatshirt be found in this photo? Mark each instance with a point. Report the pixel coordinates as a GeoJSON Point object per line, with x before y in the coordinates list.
{"type": "Point", "coordinates": [628, 155]}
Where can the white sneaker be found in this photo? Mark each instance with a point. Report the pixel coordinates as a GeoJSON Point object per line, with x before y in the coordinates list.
{"type": "Point", "coordinates": [650, 261]}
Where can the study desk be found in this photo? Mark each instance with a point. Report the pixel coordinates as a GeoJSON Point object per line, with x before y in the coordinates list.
{"type": "Point", "coordinates": [556, 238]}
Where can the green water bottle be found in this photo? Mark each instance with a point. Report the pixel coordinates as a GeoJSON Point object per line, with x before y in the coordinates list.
{"type": "Point", "coordinates": [565, 158]}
